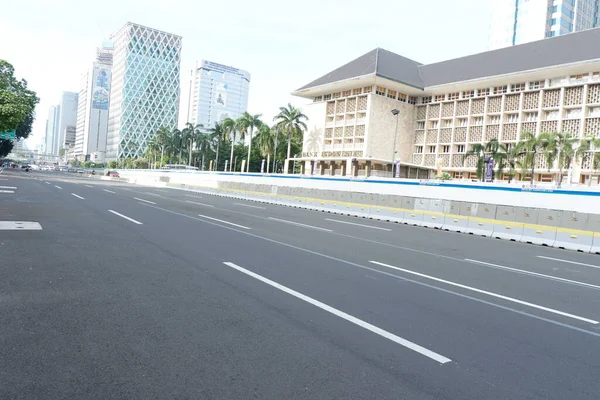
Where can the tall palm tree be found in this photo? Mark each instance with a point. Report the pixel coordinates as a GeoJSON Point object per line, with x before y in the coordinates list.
{"type": "Point", "coordinates": [152, 150]}
{"type": "Point", "coordinates": [216, 135]}
{"type": "Point", "coordinates": [291, 121]}
{"type": "Point", "coordinates": [265, 139]}
{"type": "Point", "coordinates": [565, 145]}
{"type": "Point", "coordinates": [508, 156]}
{"type": "Point", "coordinates": [492, 148]}
{"type": "Point", "coordinates": [163, 136]}
{"type": "Point", "coordinates": [532, 145]}
{"type": "Point", "coordinates": [589, 150]}
{"type": "Point", "coordinates": [247, 122]}
{"type": "Point", "coordinates": [477, 150]}
{"type": "Point", "coordinates": [230, 129]}
{"type": "Point", "coordinates": [203, 143]}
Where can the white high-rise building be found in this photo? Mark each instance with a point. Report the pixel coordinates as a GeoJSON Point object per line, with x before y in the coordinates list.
{"type": "Point", "coordinates": [521, 21]}
{"type": "Point", "coordinates": [216, 92]}
{"type": "Point", "coordinates": [52, 126]}
{"type": "Point", "coordinates": [145, 88]}
{"type": "Point", "coordinates": [92, 110]}
{"type": "Point", "coordinates": [67, 116]}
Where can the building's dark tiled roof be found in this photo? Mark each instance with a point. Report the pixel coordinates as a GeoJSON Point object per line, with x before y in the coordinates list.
{"type": "Point", "coordinates": [560, 50]}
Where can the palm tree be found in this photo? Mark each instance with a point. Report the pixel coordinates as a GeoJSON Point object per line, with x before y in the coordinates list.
{"type": "Point", "coordinates": [246, 124]}
{"type": "Point", "coordinates": [162, 136]}
{"type": "Point", "coordinates": [203, 144]}
{"type": "Point", "coordinates": [589, 150]}
{"type": "Point", "coordinates": [508, 156]}
{"type": "Point", "coordinates": [565, 145]}
{"type": "Point", "coordinates": [493, 149]}
{"type": "Point", "coordinates": [531, 145]}
{"type": "Point", "coordinates": [266, 142]}
{"type": "Point", "coordinates": [230, 130]}
{"type": "Point", "coordinates": [477, 150]}
{"type": "Point", "coordinates": [216, 135]}
{"type": "Point", "coordinates": [152, 150]}
{"type": "Point", "coordinates": [290, 121]}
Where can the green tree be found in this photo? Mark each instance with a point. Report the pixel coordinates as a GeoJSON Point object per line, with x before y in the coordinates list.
{"type": "Point", "coordinates": [203, 143]}
{"type": "Point", "coordinates": [291, 122]}
{"type": "Point", "coordinates": [589, 151]}
{"type": "Point", "coordinates": [566, 146]}
{"type": "Point", "coordinates": [112, 164]}
{"type": "Point", "coordinates": [140, 163]}
{"type": "Point", "coordinates": [477, 150]}
{"type": "Point", "coordinates": [17, 103]}
{"type": "Point", "coordinates": [216, 135]}
{"type": "Point", "coordinates": [163, 137]}
{"type": "Point", "coordinates": [246, 124]}
{"type": "Point", "coordinates": [230, 128]}
{"type": "Point", "coordinates": [508, 156]}
{"type": "Point", "coordinates": [532, 146]}
{"type": "Point", "coordinates": [24, 128]}
{"type": "Point", "coordinates": [265, 142]}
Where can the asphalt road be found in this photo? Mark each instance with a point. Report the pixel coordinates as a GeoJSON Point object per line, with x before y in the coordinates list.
{"type": "Point", "coordinates": [131, 292]}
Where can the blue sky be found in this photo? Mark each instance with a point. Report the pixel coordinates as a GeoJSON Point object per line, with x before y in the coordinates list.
{"type": "Point", "coordinates": [284, 45]}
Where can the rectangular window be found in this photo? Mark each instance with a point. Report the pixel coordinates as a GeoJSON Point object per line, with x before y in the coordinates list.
{"type": "Point", "coordinates": [346, 93]}
{"type": "Point", "coordinates": [494, 119]}
{"type": "Point", "coordinates": [594, 112]}
{"type": "Point", "coordinates": [327, 97]}
{"type": "Point", "coordinates": [483, 92]}
{"type": "Point", "coordinates": [573, 114]}
{"type": "Point", "coordinates": [512, 118]}
{"type": "Point", "coordinates": [391, 94]}
{"type": "Point", "coordinates": [356, 92]}
{"type": "Point", "coordinates": [336, 95]}
{"type": "Point", "coordinates": [462, 122]}
{"type": "Point", "coordinates": [518, 87]}
{"type": "Point", "coordinates": [318, 98]}
{"type": "Point", "coordinates": [434, 124]}
{"type": "Point", "coordinates": [447, 123]}
{"type": "Point", "coordinates": [596, 75]}
{"type": "Point", "coordinates": [537, 85]}
{"type": "Point", "coordinates": [577, 78]}
{"type": "Point", "coordinates": [367, 89]}
{"type": "Point", "coordinates": [478, 121]}
{"type": "Point", "coordinates": [421, 125]}
{"type": "Point", "coordinates": [402, 97]}
{"type": "Point", "coordinates": [380, 90]}
{"type": "Point", "coordinates": [411, 99]}
{"type": "Point", "coordinates": [431, 149]}
{"type": "Point", "coordinates": [531, 116]}
{"type": "Point", "coordinates": [460, 148]}
{"type": "Point", "coordinates": [453, 96]}
{"type": "Point", "coordinates": [500, 89]}
{"type": "Point", "coordinates": [440, 97]}
{"type": "Point", "coordinates": [426, 100]}
{"type": "Point", "coordinates": [419, 150]}
{"type": "Point", "coordinates": [551, 115]}
{"type": "Point", "coordinates": [467, 94]}
{"type": "Point", "coordinates": [446, 149]}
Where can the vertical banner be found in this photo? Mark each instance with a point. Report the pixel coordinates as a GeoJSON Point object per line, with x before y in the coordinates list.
{"type": "Point", "coordinates": [315, 167]}
{"type": "Point", "coordinates": [489, 171]}
{"type": "Point", "coordinates": [262, 166]}
{"type": "Point", "coordinates": [397, 175]}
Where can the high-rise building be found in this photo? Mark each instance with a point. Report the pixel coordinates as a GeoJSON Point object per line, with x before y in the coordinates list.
{"type": "Point", "coordinates": [216, 92]}
{"type": "Point", "coordinates": [145, 88]}
{"type": "Point", "coordinates": [92, 110]}
{"type": "Point", "coordinates": [52, 126]}
{"type": "Point", "coordinates": [67, 116]}
{"type": "Point", "coordinates": [521, 21]}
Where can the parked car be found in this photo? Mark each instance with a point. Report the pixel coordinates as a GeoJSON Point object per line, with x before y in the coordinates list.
{"type": "Point", "coordinates": [80, 171]}
{"type": "Point", "coordinates": [112, 173]}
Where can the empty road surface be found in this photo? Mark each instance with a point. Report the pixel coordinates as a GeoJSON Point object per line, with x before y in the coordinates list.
{"type": "Point", "coordinates": [115, 291]}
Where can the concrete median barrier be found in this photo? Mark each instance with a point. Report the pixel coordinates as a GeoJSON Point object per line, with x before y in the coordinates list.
{"type": "Point", "coordinates": [388, 208]}
{"type": "Point", "coordinates": [573, 232]}
{"type": "Point", "coordinates": [454, 220]}
{"type": "Point", "coordinates": [411, 215]}
{"type": "Point", "coordinates": [506, 226]}
{"type": "Point", "coordinates": [482, 222]}
{"type": "Point", "coordinates": [434, 217]}
{"type": "Point", "coordinates": [536, 229]}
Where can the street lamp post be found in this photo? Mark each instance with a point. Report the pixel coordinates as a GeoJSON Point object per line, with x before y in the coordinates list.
{"type": "Point", "coordinates": [396, 113]}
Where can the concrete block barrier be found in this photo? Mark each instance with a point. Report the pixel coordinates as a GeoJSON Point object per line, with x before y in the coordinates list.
{"type": "Point", "coordinates": [573, 232]}
{"type": "Point", "coordinates": [412, 216]}
{"type": "Point", "coordinates": [482, 223]}
{"type": "Point", "coordinates": [388, 208]}
{"type": "Point", "coordinates": [435, 216]}
{"type": "Point", "coordinates": [506, 226]}
{"type": "Point", "coordinates": [454, 220]}
{"type": "Point", "coordinates": [359, 204]}
{"type": "Point", "coordinates": [536, 229]}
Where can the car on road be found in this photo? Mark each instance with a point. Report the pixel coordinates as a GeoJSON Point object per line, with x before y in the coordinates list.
{"type": "Point", "coordinates": [80, 171]}
{"type": "Point", "coordinates": [112, 173]}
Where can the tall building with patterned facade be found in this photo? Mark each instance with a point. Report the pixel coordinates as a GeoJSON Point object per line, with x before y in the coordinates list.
{"type": "Point", "coordinates": [145, 88]}
{"type": "Point", "coordinates": [552, 85]}
{"type": "Point", "coordinates": [515, 22]}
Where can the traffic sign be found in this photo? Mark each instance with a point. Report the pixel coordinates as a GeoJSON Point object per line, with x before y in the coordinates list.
{"type": "Point", "coordinates": [8, 135]}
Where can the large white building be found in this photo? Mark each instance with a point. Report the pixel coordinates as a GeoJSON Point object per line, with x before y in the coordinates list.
{"type": "Point", "coordinates": [52, 126]}
{"type": "Point", "coordinates": [145, 88]}
{"type": "Point", "coordinates": [520, 21]}
{"type": "Point", "coordinates": [216, 92]}
{"type": "Point", "coordinates": [552, 85]}
{"type": "Point", "coordinates": [92, 112]}
{"type": "Point", "coordinates": [67, 116]}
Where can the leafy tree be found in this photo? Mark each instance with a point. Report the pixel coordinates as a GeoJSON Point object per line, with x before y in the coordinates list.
{"type": "Point", "coordinates": [589, 150]}
{"type": "Point", "coordinates": [24, 128]}
{"type": "Point", "coordinates": [532, 146]}
{"type": "Point", "coordinates": [265, 141]}
{"type": "Point", "coordinates": [17, 103]}
{"type": "Point", "coordinates": [246, 124]}
{"type": "Point", "coordinates": [230, 129]}
{"type": "Point", "coordinates": [216, 135]}
{"type": "Point", "coordinates": [565, 145]}
{"type": "Point", "coordinates": [508, 156]}
{"type": "Point", "coordinates": [6, 147]}
{"type": "Point", "coordinates": [291, 122]}
{"type": "Point", "coordinates": [163, 137]}
{"type": "Point", "coordinates": [140, 163]}
{"type": "Point", "coordinates": [112, 164]}
{"type": "Point", "coordinates": [477, 150]}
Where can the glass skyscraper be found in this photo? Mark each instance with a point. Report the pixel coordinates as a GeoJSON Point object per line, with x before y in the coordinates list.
{"type": "Point", "coordinates": [145, 89]}
{"type": "Point", "coordinates": [521, 21]}
{"type": "Point", "coordinates": [216, 92]}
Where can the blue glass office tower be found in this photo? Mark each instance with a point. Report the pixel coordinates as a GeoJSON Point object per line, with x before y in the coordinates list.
{"type": "Point", "coordinates": [216, 92]}
{"type": "Point", "coordinates": [145, 89]}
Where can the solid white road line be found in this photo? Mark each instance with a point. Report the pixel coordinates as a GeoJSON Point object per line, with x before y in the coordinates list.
{"type": "Point", "coordinates": [152, 194]}
{"type": "Point", "coordinates": [521, 271]}
{"type": "Point", "coordinates": [76, 195]}
{"type": "Point", "coordinates": [200, 204]}
{"type": "Point", "coordinates": [569, 262]}
{"type": "Point", "coordinates": [551, 310]}
{"type": "Point", "coordinates": [145, 201]}
{"type": "Point", "coordinates": [126, 217]}
{"type": "Point", "coordinates": [7, 191]}
{"type": "Point", "coordinates": [193, 196]}
{"type": "Point", "coordinates": [88, 186]}
{"type": "Point", "coordinates": [299, 224]}
{"type": "Point", "coordinates": [20, 226]}
{"type": "Point", "coordinates": [109, 191]}
{"type": "Point", "coordinates": [58, 187]}
{"type": "Point", "coordinates": [248, 205]}
{"type": "Point", "coordinates": [396, 339]}
{"type": "Point", "coordinates": [47, 183]}
{"type": "Point", "coordinates": [223, 222]}
{"type": "Point", "coordinates": [355, 224]}
{"type": "Point", "coordinates": [8, 187]}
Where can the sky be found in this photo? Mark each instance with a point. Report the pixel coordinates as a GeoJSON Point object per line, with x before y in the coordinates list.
{"type": "Point", "coordinates": [284, 45]}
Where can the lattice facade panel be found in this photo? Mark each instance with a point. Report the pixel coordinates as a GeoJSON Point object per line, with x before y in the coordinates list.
{"type": "Point", "coordinates": [420, 137]}
{"type": "Point", "coordinates": [444, 160]}
{"type": "Point", "coordinates": [478, 106]}
{"type": "Point", "coordinates": [362, 103]}
{"type": "Point", "coordinates": [593, 94]}
{"type": "Point", "coordinates": [348, 131]}
{"type": "Point", "coordinates": [592, 127]}
{"type": "Point", "coordinates": [433, 112]}
{"type": "Point", "coordinates": [446, 135]}
{"type": "Point", "coordinates": [494, 104]}
{"type": "Point", "coordinates": [460, 135]}
{"type": "Point", "coordinates": [471, 162]}
{"type": "Point", "coordinates": [573, 96]}
{"type": "Point", "coordinates": [432, 136]}
{"type": "Point", "coordinates": [351, 106]}
{"type": "Point", "coordinates": [339, 132]}
{"type": "Point", "coordinates": [572, 126]}
{"type": "Point", "coordinates": [448, 109]}
{"type": "Point", "coordinates": [531, 100]}
{"type": "Point", "coordinates": [421, 112]}
{"type": "Point", "coordinates": [360, 131]}
{"type": "Point", "coordinates": [528, 127]}
{"type": "Point", "coordinates": [328, 133]}
{"type": "Point", "coordinates": [417, 159]}
{"type": "Point", "coordinates": [476, 134]}
{"type": "Point", "coordinates": [511, 102]}
{"type": "Point", "coordinates": [549, 126]}
{"type": "Point", "coordinates": [509, 132]}
{"type": "Point", "coordinates": [430, 160]}
{"type": "Point", "coordinates": [551, 98]}
{"type": "Point", "coordinates": [462, 107]}
{"type": "Point", "coordinates": [458, 161]}
{"type": "Point", "coordinates": [340, 106]}
{"type": "Point", "coordinates": [357, 153]}
{"type": "Point", "coordinates": [331, 107]}
{"type": "Point", "coordinates": [492, 132]}
{"type": "Point", "coordinates": [540, 162]}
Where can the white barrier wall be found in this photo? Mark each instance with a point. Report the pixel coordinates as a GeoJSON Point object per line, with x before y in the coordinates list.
{"type": "Point", "coordinates": [581, 200]}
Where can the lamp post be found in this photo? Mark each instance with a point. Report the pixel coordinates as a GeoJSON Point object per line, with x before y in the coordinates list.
{"type": "Point", "coordinates": [396, 113]}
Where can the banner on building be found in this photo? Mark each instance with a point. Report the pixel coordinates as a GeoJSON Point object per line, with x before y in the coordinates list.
{"type": "Point", "coordinates": [220, 98]}
{"type": "Point", "coordinates": [101, 89]}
